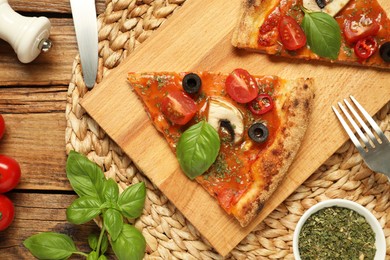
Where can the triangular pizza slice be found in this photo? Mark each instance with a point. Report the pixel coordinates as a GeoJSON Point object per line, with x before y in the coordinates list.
{"type": "Point", "coordinates": [343, 31]}
{"type": "Point", "coordinates": [235, 134]}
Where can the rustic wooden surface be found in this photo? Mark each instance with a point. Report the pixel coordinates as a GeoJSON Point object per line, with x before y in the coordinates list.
{"type": "Point", "coordinates": [129, 126]}
{"type": "Point", "coordinates": [32, 101]}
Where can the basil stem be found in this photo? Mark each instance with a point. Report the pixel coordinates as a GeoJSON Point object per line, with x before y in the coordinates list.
{"type": "Point", "coordinates": [99, 243]}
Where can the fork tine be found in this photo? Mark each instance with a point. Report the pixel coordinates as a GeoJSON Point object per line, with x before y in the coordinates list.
{"type": "Point", "coordinates": [349, 131]}
{"type": "Point", "coordinates": [355, 126]}
{"type": "Point", "coordinates": [374, 125]}
{"type": "Point", "coordinates": [365, 127]}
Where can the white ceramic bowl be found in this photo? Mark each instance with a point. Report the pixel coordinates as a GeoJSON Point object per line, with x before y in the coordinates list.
{"type": "Point", "coordinates": [380, 241]}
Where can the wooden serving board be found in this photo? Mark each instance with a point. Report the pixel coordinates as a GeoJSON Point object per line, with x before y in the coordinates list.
{"type": "Point", "coordinates": [197, 37]}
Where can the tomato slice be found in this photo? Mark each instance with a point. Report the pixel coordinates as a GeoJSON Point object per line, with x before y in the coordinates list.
{"type": "Point", "coordinates": [178, 107]}
{"type": "Point", "coordinates": [262, 104]}
{"type": "Point", "coordinates": [241, 86]}
{"type": "Point", "coordinates": [9, 173]}
{"type": "Point", "coordinates": [7, 212]}
{"type": "Point", "coordinates": [354, 31]}
{"type": "Point", "coordinates": [364, 48]}
{"type": "Point", "coordinates": [291, 34]}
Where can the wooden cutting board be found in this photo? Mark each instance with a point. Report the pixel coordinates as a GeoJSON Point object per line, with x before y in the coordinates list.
{"type": "Point", "coordinates": [197, 37]}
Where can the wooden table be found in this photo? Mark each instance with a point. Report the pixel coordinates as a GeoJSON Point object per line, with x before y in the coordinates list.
{"type": "Point", "coordinates": [32, 102]}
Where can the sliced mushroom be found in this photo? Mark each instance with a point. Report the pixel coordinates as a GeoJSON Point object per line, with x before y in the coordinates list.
{"type": "Point", "coordinates": [331, 7]}
{"type": "Point", "coordinates": [222, 114]}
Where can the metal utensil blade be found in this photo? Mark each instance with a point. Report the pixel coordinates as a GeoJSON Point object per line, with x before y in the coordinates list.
{"type": "Point", "coordinates": [85, 23]}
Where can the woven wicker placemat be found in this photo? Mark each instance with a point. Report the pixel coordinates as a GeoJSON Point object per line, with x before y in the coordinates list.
{"type": "Point", "coordinates": [122, 27]}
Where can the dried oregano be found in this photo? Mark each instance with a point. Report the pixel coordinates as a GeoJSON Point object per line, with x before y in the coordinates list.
{"type": "Point", "coordinates": [336, 233]}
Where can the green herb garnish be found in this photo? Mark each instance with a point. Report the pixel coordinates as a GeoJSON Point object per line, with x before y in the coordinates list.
{"type": "Point", "coordinates": [197, 149]}
{"type": "Point", "coordinates": [336, 233]}
{"type": "Point", "coordinates": [323, 34]}
{"type": "Point", "coordinates": [97, 197]}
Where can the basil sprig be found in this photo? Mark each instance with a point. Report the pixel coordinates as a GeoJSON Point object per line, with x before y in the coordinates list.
{"type": "Point", "coordinates": [323, 34]}
{"type": "Point", "coordinates": [197, 149]}
{"type": "Point", "coordinates": [98, 197]}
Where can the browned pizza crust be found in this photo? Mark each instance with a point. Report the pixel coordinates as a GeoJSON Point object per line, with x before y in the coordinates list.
{"type": "Point", "coordinates": [294, 106]}
{"type": "Point", "coordinates": [246, 33]}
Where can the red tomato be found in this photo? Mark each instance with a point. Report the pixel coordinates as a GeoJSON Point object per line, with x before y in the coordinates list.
{"type": "Point", "coordinates": [9, 173]}
{"type": "Point", "coordinates": [178, 107]}
{"type": "Point", "coordinates": [7, 212]}
{"type": "Point", "coordinates": [241, 86]}
{"type": "Point", "coordinates": [364, 48]}
{"type": "Point", "coordinates": [2, 126]}
{"type": "Point", "coordinates": [268, 30]}
{"type": "Point", "coordinates": [262, 104]}
{"type": "Point", "coordinates": [359, 31]}
{"type": "Point", "coordinates": [291, 34]}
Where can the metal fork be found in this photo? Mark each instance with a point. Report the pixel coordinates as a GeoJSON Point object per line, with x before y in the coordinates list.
{"type": "Point", "coordinates": [375, 149]}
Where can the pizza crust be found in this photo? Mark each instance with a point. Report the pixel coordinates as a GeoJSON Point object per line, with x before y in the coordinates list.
{"type": "Point", "coordinates": [294, 105]}
{"type": "Point", "coordinates": [253, 14]}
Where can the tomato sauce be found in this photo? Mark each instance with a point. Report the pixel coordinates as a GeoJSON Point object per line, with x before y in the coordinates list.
{"type": "Point", "coordinates": [230, 175]}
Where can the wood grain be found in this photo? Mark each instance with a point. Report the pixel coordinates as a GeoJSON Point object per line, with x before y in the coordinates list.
{"type": "Point", "coordinates": [49, 7]}
{"type": "Point", "coordinates": [38, 212]}
{"type": "Point", "coordinates": [178, 47]}
{"type": "Point", "coordinates": [34, 136]}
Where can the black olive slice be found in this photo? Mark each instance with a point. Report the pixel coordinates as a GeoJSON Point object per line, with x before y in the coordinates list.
{"type": "Point", "coordinates": [191, 83]}
{"type": "Point", "coordinates": [321, 3]}
{"type": "Point", "coordinates": [258, 132]}
{"type": "Point", "coordinates": [229, 128]}
{"type": "Point", "coordinates": [384, 51]}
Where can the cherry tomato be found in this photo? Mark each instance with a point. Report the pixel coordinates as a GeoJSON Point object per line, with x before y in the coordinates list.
{"type": "Point", "coordinates": [9, 173]}
{"type": "Point", "coordinates": [291, 34]}
{"type": "Point", "coordinates": [268, 30]}
{"type": "Point", "coordinates": [359, 31]}
{"type": "Point", "coordinates": [262, 104]}
{"type": "Point", "coordinates": [364, 48]}
{"type": "Point", "coordinates": [241, 86]}
{"type": "Point", "coordinates": [2, 126]}
{"type": "Point", "coordinates": [7, 212]}
{"type": "Point", "coordinates": [178, 107]}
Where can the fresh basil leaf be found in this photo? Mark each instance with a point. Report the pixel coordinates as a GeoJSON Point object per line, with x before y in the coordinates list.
{"type": "Point", "coordinates": [130, 244]}
{"type": "Point", "coordinates": [85, 176]}
{"type": "Point", "coordinates": [110, 190]}
{"type": "Point", "coordinates": [113, 221]}
{"type": "Point", "coordinates": [83, 210]}
{"type": "Point", "coordinates": [93, 241]}
{"type": "Point", "coordinates": [93, 256]}
{"type": "Point", "coordinates": [323, 34]}
{"type": "Point", "coordinates": [132, 200]}
{"type": "Point", "coordinates": [102, 257]}
{"type": "Point", "coordinates": [197, 149]}
{"type": "Point", "coordinates": [50, 245]}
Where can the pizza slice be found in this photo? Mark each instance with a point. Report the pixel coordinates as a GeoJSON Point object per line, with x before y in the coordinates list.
{"type": "Point", "coordinates": [343, 31]}
{"type": "Point", "coordinates": [235, 134]}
